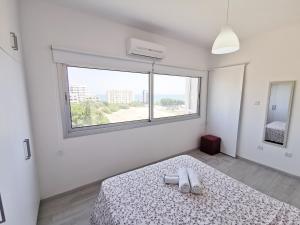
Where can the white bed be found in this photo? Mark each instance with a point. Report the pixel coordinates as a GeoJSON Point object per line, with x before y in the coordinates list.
{"type": "Point", "coordinates": [275, 132]}
{"type": "Point", "coordinates": [140, 197]}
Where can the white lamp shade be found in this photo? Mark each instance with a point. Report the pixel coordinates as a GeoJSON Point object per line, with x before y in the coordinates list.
{"type": "Point", "coordinates": [226, 42]}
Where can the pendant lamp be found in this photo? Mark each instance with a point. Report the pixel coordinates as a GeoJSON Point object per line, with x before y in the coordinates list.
{"type": "Point", "coordinates": [227, 41]}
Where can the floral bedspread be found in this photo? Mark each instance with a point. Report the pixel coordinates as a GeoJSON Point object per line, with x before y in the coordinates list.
{"type": "Point", "coordinates": [140, 197]}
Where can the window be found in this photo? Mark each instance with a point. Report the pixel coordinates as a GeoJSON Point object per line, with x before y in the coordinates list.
{"type": "Point", "coordinates": [99, 97]}
{"type": "Point", "coordinates": [105, 100]}
{"type": "Point", "coordinates": [175, 95]}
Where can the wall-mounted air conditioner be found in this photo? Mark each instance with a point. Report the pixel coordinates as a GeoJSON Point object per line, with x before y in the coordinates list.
{"type": "Point", "coordinates": [145, 48]}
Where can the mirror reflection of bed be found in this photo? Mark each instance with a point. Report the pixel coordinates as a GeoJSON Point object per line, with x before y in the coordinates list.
{"type": "Point", "coordinates": [278, 112]}
{"type": "Point", "coordinates": [275, 132]}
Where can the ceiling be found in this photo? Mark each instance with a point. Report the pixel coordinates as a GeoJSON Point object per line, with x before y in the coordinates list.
{"type": "Point", "coordinates": [196, 21]}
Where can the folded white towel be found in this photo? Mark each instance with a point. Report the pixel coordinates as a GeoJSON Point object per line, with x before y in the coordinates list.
{"type": "Point", "coordinates": [171, 179]}
{"type": "Point", "coordinates": [194, 181]}
{"type": "Point", "coordinates": [184, 184]}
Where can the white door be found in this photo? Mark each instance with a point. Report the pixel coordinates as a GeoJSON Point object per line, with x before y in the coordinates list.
{"type": "Point", "coordinates": [18, 177]}
{"type": "Point", "coordinates": [225, 90]}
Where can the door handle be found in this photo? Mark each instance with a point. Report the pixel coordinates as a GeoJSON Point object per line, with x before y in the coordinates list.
{"type": "Point", "coordinates": [27, 149]}
{"type": "Point", "coordinates": [2, 215]}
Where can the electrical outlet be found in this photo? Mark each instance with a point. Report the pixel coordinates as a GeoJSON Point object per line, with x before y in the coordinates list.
{"type": "Point", "coordinates": [260, 147]}
{"type": "Point", "coordinates": [257, 103]}
{"type": "Point", "coordinates": [288, 154]}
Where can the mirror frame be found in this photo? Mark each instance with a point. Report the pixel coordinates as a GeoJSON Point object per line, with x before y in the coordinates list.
{"type": "Point", "coordinates": [284, 145]}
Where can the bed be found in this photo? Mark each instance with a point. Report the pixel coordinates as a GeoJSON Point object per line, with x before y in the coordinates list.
{"type": "Point", "coordinates": [140, 197]}
{"type": "Point", "coordinates": [275, 132]}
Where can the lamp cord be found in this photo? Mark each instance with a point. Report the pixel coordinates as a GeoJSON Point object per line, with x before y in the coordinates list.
{"type": "Point", "coordinates": [227, 15]}
{"type": "Point", "coordinates": [153, 63]}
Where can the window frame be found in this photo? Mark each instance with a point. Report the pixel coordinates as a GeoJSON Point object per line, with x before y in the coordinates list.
{"type": "Point", "coordinates": [69, 131]}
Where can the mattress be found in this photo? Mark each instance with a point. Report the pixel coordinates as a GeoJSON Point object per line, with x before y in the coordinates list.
{"type": "Point", "coordinates": [275, 132]}
{"type": "Point", "coordinates": [140, 197]}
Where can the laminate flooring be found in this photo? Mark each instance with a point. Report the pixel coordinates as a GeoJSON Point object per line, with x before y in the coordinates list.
{"type": "Point", "coordinates": [74, 208]}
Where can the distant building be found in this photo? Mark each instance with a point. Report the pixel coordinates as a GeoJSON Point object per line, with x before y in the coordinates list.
{"type": "Point", "coordinates": [119, 96]}
{"type": "Point", "coordinates": [93, 98]}
{"type": "Point", "coordinates": [78, 93]}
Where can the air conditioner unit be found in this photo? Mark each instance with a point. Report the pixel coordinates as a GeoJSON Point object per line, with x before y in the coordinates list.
{"type": "Point", "coordinates": [145, 48]}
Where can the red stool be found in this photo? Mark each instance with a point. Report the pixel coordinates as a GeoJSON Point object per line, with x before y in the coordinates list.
{"type": "Point", "coordinates": [210, 144]}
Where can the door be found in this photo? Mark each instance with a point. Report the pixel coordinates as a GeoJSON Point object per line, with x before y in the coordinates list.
{"type": "Point", "coordinates": [9, 23]}
{"type": "Point", "coordinates": [18, 178]}
{"type": "Point", "coordinates": [225, 89]}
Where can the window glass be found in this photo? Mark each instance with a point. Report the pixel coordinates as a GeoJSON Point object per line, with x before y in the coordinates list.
{"type": "Point", "coordinates": [175, 95]}
{"type": "Point", "coordinates": [100, 97]}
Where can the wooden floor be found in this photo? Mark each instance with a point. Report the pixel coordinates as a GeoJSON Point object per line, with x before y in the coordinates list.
{"type": "Point", "coordinates": [74, 208]}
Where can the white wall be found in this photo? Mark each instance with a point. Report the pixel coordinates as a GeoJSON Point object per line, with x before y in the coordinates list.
{"type": "Point", "coordinates": [273, 56]}
{"type": "Point", "coordinates": [18, 177]}
{"type": "Point", "coordinates": [65, 164]}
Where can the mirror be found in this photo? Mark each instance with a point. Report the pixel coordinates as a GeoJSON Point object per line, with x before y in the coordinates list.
{"type": "Point", "coordinates": [279, 112]}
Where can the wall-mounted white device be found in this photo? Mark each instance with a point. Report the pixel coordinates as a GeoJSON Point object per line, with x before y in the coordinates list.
{"type": "Point", "coordinates": [145, 48]}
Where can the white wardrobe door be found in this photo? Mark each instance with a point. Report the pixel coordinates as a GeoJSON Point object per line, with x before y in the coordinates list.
{"type": "Point", "coordinates": [225, 90]}
{"type": "Point", "coordinates": [18, 178]}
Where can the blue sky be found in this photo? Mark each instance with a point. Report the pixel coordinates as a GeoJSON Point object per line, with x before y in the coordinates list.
{"type": "Point", "coordinates": [99, 81]}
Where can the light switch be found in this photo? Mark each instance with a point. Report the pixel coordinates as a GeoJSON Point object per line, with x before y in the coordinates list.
{"type": "Point", "coordinates": [257, 103]}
